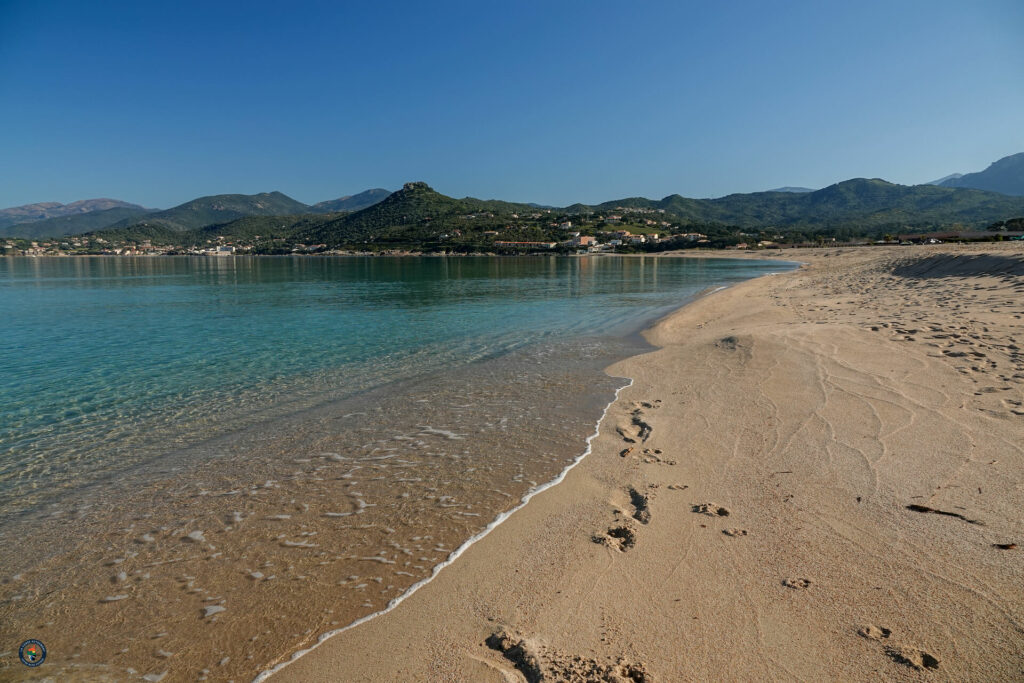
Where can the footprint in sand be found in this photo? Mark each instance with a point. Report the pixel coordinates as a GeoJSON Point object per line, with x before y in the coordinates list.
{"type": "Point", "coordinates": [797, 584]}
{"type": "Point", "coordinates": [539, 663]}
{"type": "Point", "coordinates": [729, 343]}
{"type": "Point", "coordinates": [628, 433]}
{"type": "Point", "coordinates": [873, 632]}
{"type": "Point", "coordinates": [643, 427]}
{"type": "Point", "coordinates": [735, 532]}
{"type": "Point", "coordinates": [651, 405]}
{"type": "Point", "coordinates": [638, 427]}
{"type": "Point", "coordinates": [911, 656]}
{"type": "Point", "coordinates": [652, 456]}
{"type": "Point", "coordinates": [620, 538]}
{"type": "Point", "coordinates": [711, 509]}
{"type": "Point", "coordinates": [641, 506]}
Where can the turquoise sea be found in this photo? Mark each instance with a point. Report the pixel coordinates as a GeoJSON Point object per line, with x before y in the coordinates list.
{"type": "Point", "coordinates": [293, 441]}
{"type": "Point", "coordinates": [108, 361]}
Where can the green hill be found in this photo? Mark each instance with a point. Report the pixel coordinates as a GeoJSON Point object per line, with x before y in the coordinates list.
{"type": "Point", "coordinates": [221, 208]}
{"type": "Point", "coordinates": [157, 234]}
{"type": "Point", "coordinates": [413, 212]}
{"type": "Point", "coordinates": [498, 206]}
{"type": "Point", "coordinates": [250, 228]}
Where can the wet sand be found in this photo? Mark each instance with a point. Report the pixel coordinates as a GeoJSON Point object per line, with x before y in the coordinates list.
{"type": "Point", "coordinates": [817, 476]}
{"type": "Point", "coordinates": [217, 561]}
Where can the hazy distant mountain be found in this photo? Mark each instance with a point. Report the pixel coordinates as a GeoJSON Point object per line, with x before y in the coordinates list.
{"type": "Point", "coordinates": [352, 202]}
{"type": "Point", "coordinates": [220, 208]}
{"type": "Point", "coordinates": [1005, 176]}
{"type": "Point", "coordinates": [940, 181]}
{"type": "Point", "coordinates": [43, 210]}
{"type": "Point", "coordinates": [75, 224]}
{"type": "Point", "coordinates": [792, 189]}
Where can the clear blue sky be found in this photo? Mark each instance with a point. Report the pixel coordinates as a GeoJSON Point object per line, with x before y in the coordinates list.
{"type": "Point", "coordinates": [548, 101]}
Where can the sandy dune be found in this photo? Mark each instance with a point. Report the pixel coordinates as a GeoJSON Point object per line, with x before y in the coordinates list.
{"type": "Point", "coordinates": [818, 476]}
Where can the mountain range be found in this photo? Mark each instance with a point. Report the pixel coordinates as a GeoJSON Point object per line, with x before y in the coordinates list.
{"type": "Point", "coordinates": [219, 208]}
{"type": "Point", "coordinates": [57, 220]}
{"type": "Point", "coordinates": [856, 204]}
{"type": "Point", "coordinates": [47, 210]}
{"type": "Point", "coordinates": [419, 218]}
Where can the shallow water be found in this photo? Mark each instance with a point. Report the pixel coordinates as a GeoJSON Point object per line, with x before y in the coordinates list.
{"type": "Point", "coordinates": [296, 440]}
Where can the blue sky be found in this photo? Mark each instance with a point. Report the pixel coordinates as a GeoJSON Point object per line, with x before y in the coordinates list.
{"type": "Point", "coordinates": [552, 102]}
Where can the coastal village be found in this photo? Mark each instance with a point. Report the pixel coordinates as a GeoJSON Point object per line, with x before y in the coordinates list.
{"type": "Point", "coordinates": [439, 230]}
{"type": "Point", "coordinates": [628, 229]}
{"type": "Point", "coordinates": [574, 242]}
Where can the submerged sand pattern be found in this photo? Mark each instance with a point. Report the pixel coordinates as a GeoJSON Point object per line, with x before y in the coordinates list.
{"type": "Point", "coordinates": [233, 556]}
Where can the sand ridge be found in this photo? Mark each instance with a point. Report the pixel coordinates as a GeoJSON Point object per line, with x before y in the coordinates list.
{"type": "Point", "coordinates": [806, 481]}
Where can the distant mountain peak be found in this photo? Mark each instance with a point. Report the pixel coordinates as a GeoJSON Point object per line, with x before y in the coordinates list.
{"type": "Point", "coordinates": [1007, 161]}
{"type": "Point", "coordinates": [352, 202]}
{"type": "Point", "coordinates": [1005, 176]}
{"type": "Point", "coordinates": [940, 181]}
{"type": "Point", "coordinates": [417, 185]}
{"type": "Point", "coordinates": [793, 189]}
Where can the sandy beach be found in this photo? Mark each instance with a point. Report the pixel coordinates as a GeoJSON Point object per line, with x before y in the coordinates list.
{"type": "Point", "coordinates": [817, 476]}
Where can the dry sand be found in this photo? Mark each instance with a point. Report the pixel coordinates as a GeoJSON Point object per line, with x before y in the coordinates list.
{"type": "Point", "coordinates": [745, 513]}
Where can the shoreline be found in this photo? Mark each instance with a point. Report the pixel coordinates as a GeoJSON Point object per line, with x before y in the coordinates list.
{"type": "Point", "coordinates": [485, 596]}
{"type": "Point", "coordinates": [503, 516]}
{"type": "Point", "coordinates": [455, 554]}
{"type": "Point", "coordinates": [215, 534]}
{"type": "Point", "coordinates": [771, 254]}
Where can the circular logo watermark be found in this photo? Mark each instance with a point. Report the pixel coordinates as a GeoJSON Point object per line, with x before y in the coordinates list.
{"type": "Point", "coordinates": [32, 652]}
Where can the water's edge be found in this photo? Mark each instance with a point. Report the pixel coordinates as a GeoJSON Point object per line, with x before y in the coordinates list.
{"type": "Point", "coordinates": [395, 602]}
